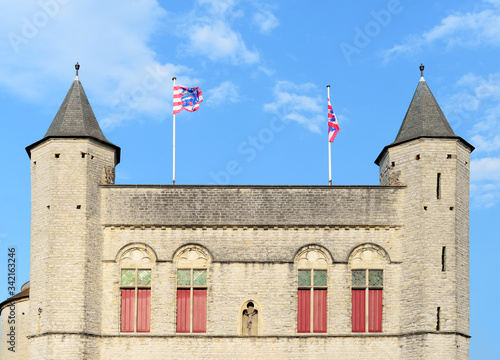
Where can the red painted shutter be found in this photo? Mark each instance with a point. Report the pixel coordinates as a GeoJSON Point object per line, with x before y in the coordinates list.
{"type": "Point", "coordinates": [183, 310]}
{"type": "Point", "coordinates": [127, 310]}
{"type": "Point", "coordinates": [143, 310]}
{"type": "Point", "coordinates": [358, 310]}
{"type": "Point", "coordinates": [200, 310]}
{"type": "Point", "coordinates": [375, 310]}
{"type": "Point", "coordinates": [304, 311]}
{"type": "Point", "coordinates": [319, 308]}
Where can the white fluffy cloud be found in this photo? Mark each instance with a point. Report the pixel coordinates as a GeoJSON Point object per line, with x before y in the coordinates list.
{"type": "Point", "coordinates": [300, 103]}
{"type": "Point", "coordinates": [216, 27]}
{"type": "Point", "coordinates": [217, 41]}
{"type": "Point", "coordinates": [45, 38]}
{"type": "Point", "coordinates": [485, 186]}
{"type": "Point", "coordinates": [460, 29]}
{"type": "Point", "coordinates": [476, 108]}
{"type": "Point", "coordinates": [226, 92]}
{"type": "Point", "coordinates": [265, 21]}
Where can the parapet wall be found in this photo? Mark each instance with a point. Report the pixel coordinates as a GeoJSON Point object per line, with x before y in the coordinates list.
{"type": "Point", "coordinates": [251, 205]}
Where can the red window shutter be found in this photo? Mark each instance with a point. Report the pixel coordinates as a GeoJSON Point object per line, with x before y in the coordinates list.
{"type": "Point", "coordinates": [358, 310]}
{"type": "Point", "coordinates": [127, 310]}
{"type": "Point", "coordinates": [304, 311]}
{"type": "Point", "coordinates": [143, 310]}
{"type": "Point", "coordinates": [319, 308]}
{"type": "Point", "coordinates": [200, 310]}
{"type": "Point", "coordinates": [375, 310]}
{"type": "Point", "coordinates": [183, 310]}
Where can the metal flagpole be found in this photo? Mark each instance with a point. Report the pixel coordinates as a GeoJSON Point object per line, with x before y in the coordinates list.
{"type": "Point", "coordinates": [173, 162]}
{"type": "Point", "coordinates": [329, 147]}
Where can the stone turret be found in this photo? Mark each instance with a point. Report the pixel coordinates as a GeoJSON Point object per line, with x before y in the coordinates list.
{"type": "Point", "coordinates": [433, 163]}
{"type": "Point", "coordinates": [67, 167]}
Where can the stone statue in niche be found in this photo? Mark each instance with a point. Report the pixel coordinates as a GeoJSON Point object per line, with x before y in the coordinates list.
{"type": "Point", "coordinates": [250, 321]}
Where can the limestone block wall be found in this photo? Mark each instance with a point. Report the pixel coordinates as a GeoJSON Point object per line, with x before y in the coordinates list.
{"type": "Point", "coordinates": [251, 264]}
{"type": "Point", "coordinates": [435, 172]}
{"type": "Point", "coordinates": [14, 341]}
{"type": "Point", "coordinates": [250, 205]}
{"type": "Point", "coordinates": [66, 237]}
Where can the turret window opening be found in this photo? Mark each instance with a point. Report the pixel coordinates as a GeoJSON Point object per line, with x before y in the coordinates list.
{"type": "Point", "coordinates": [438, 186]}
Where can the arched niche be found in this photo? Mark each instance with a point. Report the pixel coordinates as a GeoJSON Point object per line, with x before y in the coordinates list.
{"type": "Point", "coordinates": [250, 319]}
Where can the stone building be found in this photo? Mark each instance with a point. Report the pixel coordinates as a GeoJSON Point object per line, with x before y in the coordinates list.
{"type": "Point", "coordinates": [246, 272]}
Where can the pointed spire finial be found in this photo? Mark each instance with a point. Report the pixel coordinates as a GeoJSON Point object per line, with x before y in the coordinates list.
{"type": "Point", "coordinates": [77, 67]}
{"type": "Point", "coordinates": [422, 70]}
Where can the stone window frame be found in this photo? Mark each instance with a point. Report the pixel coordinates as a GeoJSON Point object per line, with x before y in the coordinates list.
{"type": "Point", "coordinates": [191, 257]}
{"type": "Point", "coordinates": [368, 257]}
{"type": "Point", "coordinates": [137, 257]}
{"type": "Point", "coordinates": [313, 258]}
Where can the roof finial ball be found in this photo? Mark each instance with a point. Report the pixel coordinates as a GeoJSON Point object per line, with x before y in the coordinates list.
{"type": "Point", "coordinates": [422, 70]}
{"type": "Point", "coordinates": [77, 67]}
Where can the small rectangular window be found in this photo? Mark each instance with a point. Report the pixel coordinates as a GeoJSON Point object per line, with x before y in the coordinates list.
{"type": "Point", "coordinates": [438, 186]}
{"type": "Point", "coordinates": [438, 323]}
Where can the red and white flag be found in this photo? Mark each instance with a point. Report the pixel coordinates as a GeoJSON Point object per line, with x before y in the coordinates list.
{"type": "Point", "coordinates": [333, 126]}
{"type": "Point", "coordinates": [187, 98]}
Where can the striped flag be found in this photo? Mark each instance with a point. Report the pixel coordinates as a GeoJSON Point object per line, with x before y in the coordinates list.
{"type": "Point", "coordinates": [187, 98]}
{"type": "Point", "coordinates": [333, 126]}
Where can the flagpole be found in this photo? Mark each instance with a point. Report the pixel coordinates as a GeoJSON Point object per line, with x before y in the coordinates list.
{"type": "Point", "coordinates": [329, 149]}
{"type": "Point", "coordinates": [173, 161]}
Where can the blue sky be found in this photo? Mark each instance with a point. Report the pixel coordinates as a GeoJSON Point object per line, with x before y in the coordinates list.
{"type": "Point", "coordinates": [263, 67]}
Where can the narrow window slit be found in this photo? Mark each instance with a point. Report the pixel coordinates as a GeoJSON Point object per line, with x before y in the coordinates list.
{"type": "Point", "coordinates": [438, 186]}
{"type": "Point", "coordinates": [438, 324]}
{"type": "Point", "coordinates": [417, 157]}
{"type": "Point", "coordinates": [443, 259]}
{"type": "Point", "coordinates": [78, 206]}
{"type": "Point", "coordinates": [393, 164]}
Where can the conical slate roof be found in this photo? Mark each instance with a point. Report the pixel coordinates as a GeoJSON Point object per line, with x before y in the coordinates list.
{"type": "Point", "coordinates": [424, 117]}
{"type": "Point", "coordinates": [75, 119]}
{"type": "Point", "coordinates": [75, 116]}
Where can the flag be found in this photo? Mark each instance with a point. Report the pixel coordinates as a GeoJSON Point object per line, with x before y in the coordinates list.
{"type": "Point", "coordinates": [333, 126]}
{"type": "Point", "coordinates": [187, 98]}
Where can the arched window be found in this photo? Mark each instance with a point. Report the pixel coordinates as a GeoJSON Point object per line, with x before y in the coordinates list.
{"type": "Point", "coordinates": [192, 264]}
{"type": "Point", "coordinates": [312, 263]}
{"type": "Point", "coordinates": [367, 264]}
{"type": "Point", "coordinates": [135, 289]}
